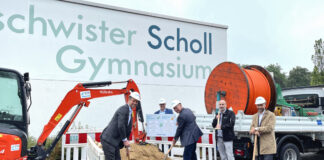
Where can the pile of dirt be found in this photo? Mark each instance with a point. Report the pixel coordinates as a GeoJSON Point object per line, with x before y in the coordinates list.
{"type": "Point", "coordinates": [143, 152]}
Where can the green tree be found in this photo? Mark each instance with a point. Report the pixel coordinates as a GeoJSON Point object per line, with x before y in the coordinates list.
{"type": "Point", "coordinates": [243, 65]}
{"type": "Point", "coordinates": [279, 77]}
{"type": "Point", "coordinates": [298, 76]}
{"type": "Point", "coordinates": [31, 141]}
{"type": "Point", "coordinates": [56, 152]}
{"type": "Point", "coordinates": [317, 76]}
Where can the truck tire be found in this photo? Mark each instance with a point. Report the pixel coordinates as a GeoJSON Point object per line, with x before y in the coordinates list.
{"type": "Point", "coordinates": [289, 151]}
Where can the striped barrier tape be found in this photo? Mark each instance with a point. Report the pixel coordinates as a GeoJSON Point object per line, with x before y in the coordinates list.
{"type": "Point", "coordinates": [79, 138]}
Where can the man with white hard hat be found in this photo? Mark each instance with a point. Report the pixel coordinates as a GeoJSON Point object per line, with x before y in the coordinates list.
{"type": "Point", "coordinates": [263, 124]}
{"type": "Point", "coordinates": [187, 130]}
{"type": "Point", "coordinates": [163, 109]}
{"type": "Point", "coordinates": [114, 136]}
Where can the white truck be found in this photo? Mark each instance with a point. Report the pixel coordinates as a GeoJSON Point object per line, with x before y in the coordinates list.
{"type": "Point", "coordinates": [294, 134]}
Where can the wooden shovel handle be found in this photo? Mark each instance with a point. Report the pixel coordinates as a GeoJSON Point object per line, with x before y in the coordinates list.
{"type": "Point", "coordinates": [170, 149]}
{"type": "Point", "coordinates": [255, 146]}
{"type": "Point", "coordinates": [166, 155]}
{"type": "Point", "coordinates": [127, 151]}
{"type": "Point", "coordinates": [218, 118]}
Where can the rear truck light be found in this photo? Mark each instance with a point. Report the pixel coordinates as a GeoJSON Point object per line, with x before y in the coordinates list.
{"type": "Point", "coordinates": [239, 152]}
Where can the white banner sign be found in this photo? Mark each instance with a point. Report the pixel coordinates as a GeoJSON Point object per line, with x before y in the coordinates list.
{"type": "Point", "coordinates": [161, 125]}
{"type": "Point", "coordinates": [62, 43]}
{"type": "Point", "coordinates": [66, 41]}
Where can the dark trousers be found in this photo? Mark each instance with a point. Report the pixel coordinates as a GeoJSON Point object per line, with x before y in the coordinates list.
{"type": "Point", "coordinates": [190, 152]}
{"type": "Point", "coordinates": [266, 157]}
{"type": "Point", "coordinates": [111, 152]}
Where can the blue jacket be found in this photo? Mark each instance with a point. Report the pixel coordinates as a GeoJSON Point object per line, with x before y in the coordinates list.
{"type": "Point", "coordinates": [167, 111]}
{"type": "Point", "coordinates": [187, 130]}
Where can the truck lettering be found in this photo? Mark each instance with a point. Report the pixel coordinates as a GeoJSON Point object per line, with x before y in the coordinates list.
{"type": "Point", "coordinates": [18, 23]}
{"type": "Point", "coordinates": [127, 67]}
{"type": "Point", "coordinates": [61, 27]}
{"type": "Point", "coordinates": [158, 45]}
{"type": "Point", "coordinates": [80, 62]}
{"type": "Point", "coordinates": [96, 67]}
{"type": "Point", "coordinates": [1, 24]}
{"type": "Point", "coordinates": [196, 46]}
{"type": "Point", "coordinates": [11, 20]}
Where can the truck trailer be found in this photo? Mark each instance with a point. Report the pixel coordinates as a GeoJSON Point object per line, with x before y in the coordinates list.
{"type": "Point", "coordinates": [298, 111]}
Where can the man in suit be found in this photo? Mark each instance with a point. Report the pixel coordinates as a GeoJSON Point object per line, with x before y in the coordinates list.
{"type": "Point", "coordinates": [225, 134]}
{"type": "Point", "coordinates": [163, 110]}
{"type": "Point", "coordinates": [114, 136]}
{"type": "Point", "coordinates": [263, 124]}
{"type": "Point", "coordinates": [187, 130]}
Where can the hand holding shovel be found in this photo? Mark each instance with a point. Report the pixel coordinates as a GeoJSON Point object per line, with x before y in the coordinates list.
{"type": "Point", "coordinates": [218, 118]}
{"type": "Point", "coordinates": [127, 153]}
{"type": "Point", "coordinates": [166, 155]}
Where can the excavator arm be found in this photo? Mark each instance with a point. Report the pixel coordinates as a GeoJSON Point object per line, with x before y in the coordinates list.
{"type": "Point", "coordinates": [79, 96]}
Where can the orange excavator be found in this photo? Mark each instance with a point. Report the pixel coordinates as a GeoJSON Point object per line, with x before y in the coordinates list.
{"type": "Point", "coordinates": [15, 101]}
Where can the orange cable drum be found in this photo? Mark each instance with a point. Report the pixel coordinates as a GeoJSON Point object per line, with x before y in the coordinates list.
{"type": "Point", "coordinates": [242, 86]}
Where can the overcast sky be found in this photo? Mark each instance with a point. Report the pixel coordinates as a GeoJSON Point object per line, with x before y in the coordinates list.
{"type": "Point", "coordinates": [259, 32]}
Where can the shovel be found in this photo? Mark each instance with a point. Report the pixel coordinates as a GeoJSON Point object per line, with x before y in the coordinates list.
{"type": "Point", "coordinates": [255, 146]}
{"type": "Point", "coordinates": [127, 153]}
{"type": "Point", "coordinates": [166, 155]}
{"type": "Point", "coordinates": [218, 117]}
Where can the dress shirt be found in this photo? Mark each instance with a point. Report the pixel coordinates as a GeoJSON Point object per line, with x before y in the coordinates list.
{"type": "Point", "coordinates": [129, 118]}
{"type": "Point", "coordinates": [260, 117]}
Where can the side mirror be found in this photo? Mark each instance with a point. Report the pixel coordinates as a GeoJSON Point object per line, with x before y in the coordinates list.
{"type": "Point", "coordinates": [26, 76]}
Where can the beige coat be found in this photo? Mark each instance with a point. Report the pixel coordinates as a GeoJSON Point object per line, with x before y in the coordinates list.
{"type": "Point", "coordinates": [267, 135]}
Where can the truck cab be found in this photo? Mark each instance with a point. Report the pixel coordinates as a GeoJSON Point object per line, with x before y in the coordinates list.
{"type": "Point", "coordinates": [14, 93]}
{"type": "Point", "coordinates": [311, 98]}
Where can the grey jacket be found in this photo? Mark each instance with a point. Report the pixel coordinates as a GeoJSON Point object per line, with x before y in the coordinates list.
{"type": "Point", "coordinates": [187, 130]}
{"type": "Point", "coordinates": [118, 128]}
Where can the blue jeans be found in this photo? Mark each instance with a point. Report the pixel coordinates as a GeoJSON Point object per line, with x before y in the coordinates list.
{"type": "Point", "coordinates": [190, 152]}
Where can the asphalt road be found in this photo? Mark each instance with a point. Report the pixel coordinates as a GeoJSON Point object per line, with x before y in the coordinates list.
{"type": "Point", "coordinates": [308, 156]}
{"type": "Point", "coordinates": [313, 156]}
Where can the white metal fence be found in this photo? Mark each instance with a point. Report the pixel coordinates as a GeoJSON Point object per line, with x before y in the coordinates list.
{"type": "Point", "coordinates": [79, 144]}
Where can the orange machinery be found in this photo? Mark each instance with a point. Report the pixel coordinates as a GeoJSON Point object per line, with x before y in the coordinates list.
{"type": "Point", "coordinates": [14, 125]}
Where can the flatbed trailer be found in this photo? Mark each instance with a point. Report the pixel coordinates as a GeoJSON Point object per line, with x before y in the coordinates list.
{"type": "Point", "coordinates": [294, 135]}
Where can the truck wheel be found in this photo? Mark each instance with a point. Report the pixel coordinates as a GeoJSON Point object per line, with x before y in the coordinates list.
{"type": "Point", "coordinates": [289, 151]}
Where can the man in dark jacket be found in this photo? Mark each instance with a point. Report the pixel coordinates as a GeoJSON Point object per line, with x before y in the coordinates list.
{"type": "Point", "coordinates": [225, 133]}
{"type": "Point", "coordinates": [114, 136]}
{"type": "Point", "coordinates": [187, 130]}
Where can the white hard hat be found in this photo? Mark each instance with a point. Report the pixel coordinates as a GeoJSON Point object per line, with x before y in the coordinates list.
{"type": "Point", "coordinates": [260, 100]}
{"type": "Point", "coordinates": [162, 101]}
{"type": "Point", "coordinates": [135, 95]}
{"type": "Point", "coordinates": [174, 103]}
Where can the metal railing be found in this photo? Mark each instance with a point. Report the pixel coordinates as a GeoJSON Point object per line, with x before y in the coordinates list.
{"type": "Point", "coordinates": [79, 144]}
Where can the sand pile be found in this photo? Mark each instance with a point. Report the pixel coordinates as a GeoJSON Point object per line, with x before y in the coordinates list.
{"type": "Point", "coordinates": [143, 152]}
{"type": "Point", "coordinates": [140, 152]}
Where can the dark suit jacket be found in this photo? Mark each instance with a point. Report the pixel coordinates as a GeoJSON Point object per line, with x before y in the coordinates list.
{"type": "Point", "coordinates": [228, 121]}
{"type": "Point", "coordinates": [187, 130]}
{"type": "Point", "coordinates": [167, 111]}
{"type": "Point", "coordinates": [118, 128]}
